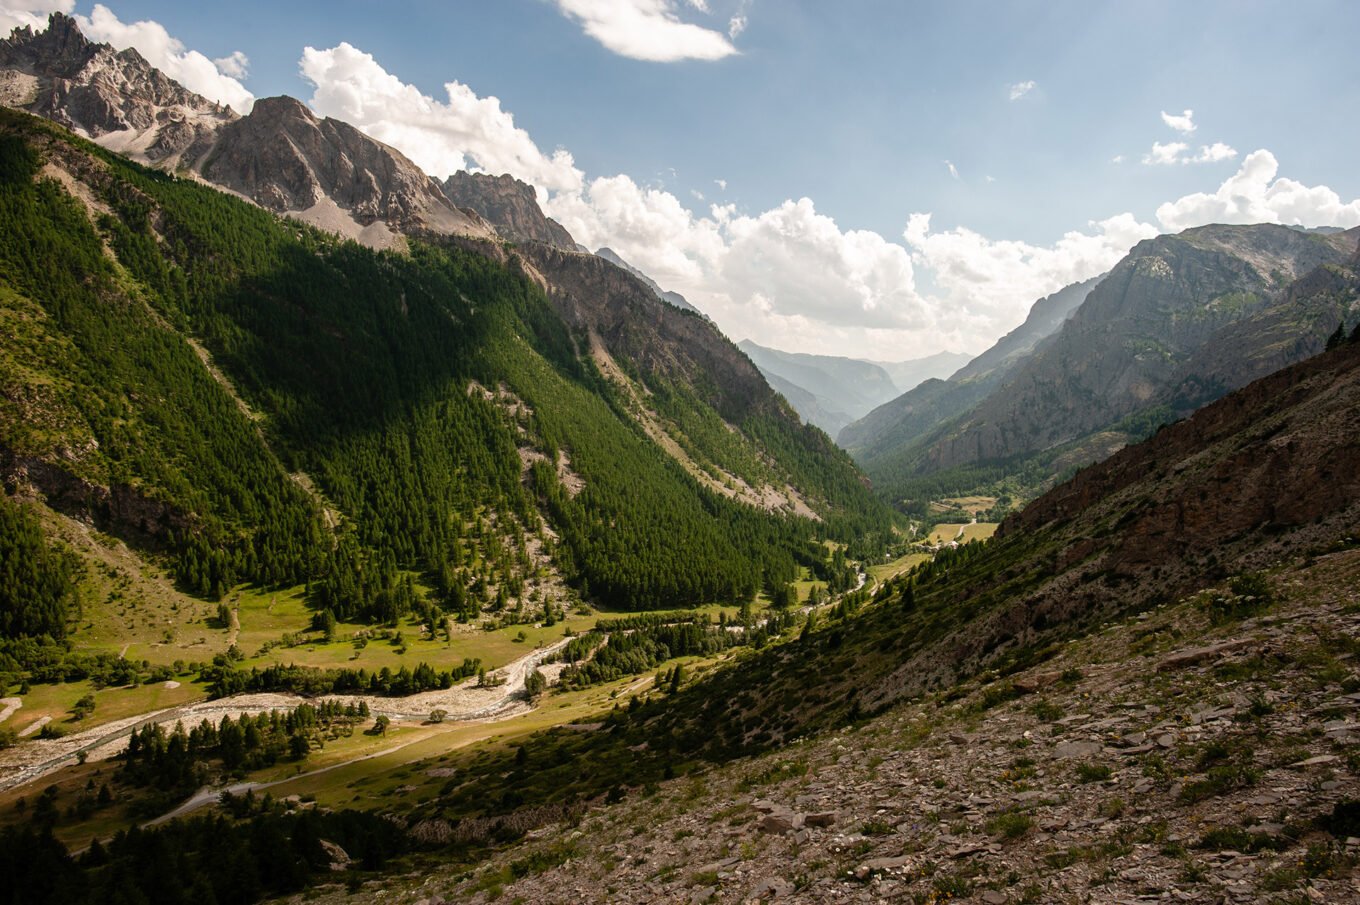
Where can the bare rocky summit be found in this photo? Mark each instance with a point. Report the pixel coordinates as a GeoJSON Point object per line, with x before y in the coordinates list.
{"type": "Point", "coordinates": [281, 156]}
{"type": "Point", "coordinates": [114, 97]}
{"type": "Point", "coordinates": [509, 205]}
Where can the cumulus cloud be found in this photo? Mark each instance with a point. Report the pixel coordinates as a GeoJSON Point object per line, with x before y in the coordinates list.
{"type": "Point", "coordinates": [190, 68]}
{"type": "Point", "coordinates": [1184, 123]}
{"type": "Point", "coordinates": [236, 64]}
{"type": "Point", "coordinates": [1254, 194]}
{"type": "Point", "coordinates": [30, 14]}
{"type": "Point", "coordinates": [814, 269]}
{"type": "Point", "coordinates": [1165, 154]}
{"type": "Point", "coordinates": [649, 30]}
{"type": "Point", "coordinates": [791, 276]}
{"type": "Point", "coordinates": [467, 132]}
{"type": "Point", "coordinates": [1020, 89]}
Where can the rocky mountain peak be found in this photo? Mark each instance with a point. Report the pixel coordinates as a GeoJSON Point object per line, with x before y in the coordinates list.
{"type": "Point", "coordinates": [508, 204]}
{"type": "Point", "coordinates": [114, 97]}
{"type": "Point", "coordinates": [281, 156]}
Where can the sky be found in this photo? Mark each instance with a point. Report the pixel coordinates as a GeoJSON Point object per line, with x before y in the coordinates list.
{"type": "Point", "coordinates": [862, 177]}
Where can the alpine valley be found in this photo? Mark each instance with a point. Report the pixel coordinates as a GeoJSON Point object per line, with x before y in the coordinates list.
{"type": "Point", "coordinates": [365, 537]}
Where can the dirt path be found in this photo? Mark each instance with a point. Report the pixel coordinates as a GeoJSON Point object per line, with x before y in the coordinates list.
{"type": "Point", "coordinates": [8, 706]}
{"type": "Point", "coordinates": [466, 702]}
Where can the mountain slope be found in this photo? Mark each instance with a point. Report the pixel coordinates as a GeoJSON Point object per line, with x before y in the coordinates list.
{"type": "Point", "coordinates": [895, 426]}
{"type": "Point", "coordinates": [1118, 352]}
{"type": "Point", "coordinates": [1177, 323]}
{"type": "Point", "coordinates": [673, 298]}
{"type": "Point", "coordinates": [1089, 598]}
{"type": "Point", "coordinates": [837, 384]}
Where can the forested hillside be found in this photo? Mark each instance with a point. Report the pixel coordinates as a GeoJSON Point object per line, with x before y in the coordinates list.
{"type": "Point", "coordinates": [263, 402]}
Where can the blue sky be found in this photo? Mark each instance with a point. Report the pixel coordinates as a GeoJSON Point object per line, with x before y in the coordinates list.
{"type": "Point", "coordinates": [832, 124]}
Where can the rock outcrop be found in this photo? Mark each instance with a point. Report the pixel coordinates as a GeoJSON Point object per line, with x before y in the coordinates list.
{"type": "Point", "coordinates": [285, 158]}
{"type": "Point", "coordinates": [509, 205]}
{"type": "Point", "coordinates": [114, 97]}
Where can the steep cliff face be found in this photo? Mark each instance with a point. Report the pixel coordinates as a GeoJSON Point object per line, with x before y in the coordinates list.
{"type": "Point", "coordinates": [509, 205]}
{"type": "Point", "coordinates": [114, 97]}
{"type": "Point", "coordinates": [1122, 351]}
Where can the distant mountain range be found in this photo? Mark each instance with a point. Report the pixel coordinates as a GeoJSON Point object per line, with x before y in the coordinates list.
{"type": "Point", "coordinates": [831, 391]}
{"type": "Point", "coordinates": [1177, 323]}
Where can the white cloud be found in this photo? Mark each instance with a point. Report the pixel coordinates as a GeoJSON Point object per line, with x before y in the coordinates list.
{"type": "Point", "coordinates": [991, 283]}
{"type": "Point", "coordinates": [30, 13]}
{"type": "Point", "coordinates": [790, 276]}
{"type": "Point", "coordinates": [953, 170]}
{"type": "Point", "coordinates": [1214, 153]}
{"type": "Point", "coordinates": [811, 268]}
{"type": "Point", "coordinates": [1118, 158]}
{"type": "Point", "coordinates": [647, 30]}
{"type": "Point", "coordinates": [1165, 154]}
{"type": "Point", "coordinates": [190, 68]}
{"type": "Point", "coordinates": [1254, 195]}
{"type": "Point", "coordinates": [1184, 123]}
{"type": "Point", "coordinates": [467, 132]}
{"type": "Point", "coordinates": [236, 65]}
{"type": "Point", "coordinates": [735, 26]}
{"type": "Point", "coordinates": [721, 184]}
{"type": "Point", "coordinates": [1176, 152]}
{"type": "Point", "coordinates": [1020, 89]}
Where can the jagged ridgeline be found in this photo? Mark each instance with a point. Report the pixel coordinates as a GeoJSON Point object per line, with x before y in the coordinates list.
{"type": "Point", "coordinates": [263, 402]}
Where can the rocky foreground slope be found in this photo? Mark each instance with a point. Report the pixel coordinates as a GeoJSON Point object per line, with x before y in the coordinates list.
{"type": "Point", "coordinates": [1178, 755]}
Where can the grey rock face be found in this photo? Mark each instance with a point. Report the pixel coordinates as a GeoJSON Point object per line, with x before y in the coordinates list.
{"type": "Point", "coordinates": [509, 205]}
{"type": "Point", "coordinates": [285, 158]}
{"type": "Point", "coordinates": [116, 96]}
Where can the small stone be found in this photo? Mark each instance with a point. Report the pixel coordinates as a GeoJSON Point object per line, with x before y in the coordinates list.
{"type": "Point", "coordinates": [1077, 749]}
{"type": "Point", "coordinates": [1316, 761]}
{"type": "Point", "coordinates": [772, 888]}
{"type": "Point", "coordinates": [820, 820]}
{"type": "Point", "coordinates": [992, 897]}
{"type": "Point", "coordinates": [775, 825]}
